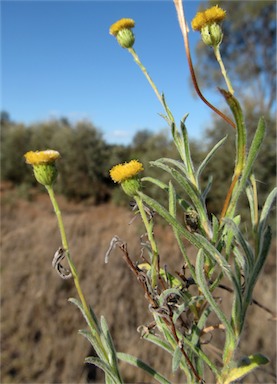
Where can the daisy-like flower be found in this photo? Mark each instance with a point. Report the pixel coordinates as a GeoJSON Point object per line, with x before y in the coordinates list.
{"type": "Point", "coordinates": [122, 30]}
{"type": "Point", "coordinates": [126, 175]}
{"type": "Point", "coordinates": [209, 16]}
{"type": "Point", "coordinates": [207, 22]}
{"type": "Point", "coordinates": [122, 172]}
{"type": "Point", "coordinates": [44, 167]}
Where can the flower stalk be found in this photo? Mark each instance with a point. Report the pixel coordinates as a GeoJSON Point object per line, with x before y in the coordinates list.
{"type": "Point", "coordinates": [217, 53]}
{"type": "Point", "coordinates": [149, 228]}
{"type": "Point", "coordinates": [146, 74]}
{"type": "Point", "coordinates": [184, 30]}
{"type": "Point", "coordinates": [45, 172]}
{"type": "Point", "coordinates": [57, 211]}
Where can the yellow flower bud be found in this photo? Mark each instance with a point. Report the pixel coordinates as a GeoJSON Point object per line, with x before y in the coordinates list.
{"type": "Point", "coordinates": [122, 30]}
{"type": "Point", "coordinates": [208, 23]}
{"type": "Point", "coordinates": [126, 175]}
{"type": "Point", "coordinates": [44, 166]}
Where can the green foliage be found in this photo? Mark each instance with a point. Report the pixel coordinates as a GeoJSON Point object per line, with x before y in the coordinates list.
{"type": "Point", "coordinates": [147, 147]}
{"type": "Point", "coordinates": [249, 32]}
{"type": "Point", "coordinates": [249, 48]}
{"type": "Point", "coordinates": [14, 143]}
{"type": "Point", "coordinates": [81, 146]}
{"type": "Point", "coordinates": [222, 166]}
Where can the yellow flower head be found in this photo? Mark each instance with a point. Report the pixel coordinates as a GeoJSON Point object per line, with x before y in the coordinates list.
{"type": "Point", "coordinates": [44, 167]}
{"type": "Point", "coordinates": [122, 172]}
{"type": "Point", "coordinates": [121, 24]}
{"type": "Point", "coordinates": [211, 15]}
{"type": "Point", "coordinates": [122, 30]}
{"type": "Point", "coordinates": [41, 157]}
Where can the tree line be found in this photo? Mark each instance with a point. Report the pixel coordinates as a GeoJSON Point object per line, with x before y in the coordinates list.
{"type": "Point", "coordinates": [249, 49]}
{"type": "Point", "coordinates": [87, 157]}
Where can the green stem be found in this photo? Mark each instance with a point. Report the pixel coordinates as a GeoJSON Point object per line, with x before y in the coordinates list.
{"type": "Point", "coordinates": [161, 98]}
{"type": "Point", "coordinates": [149, 228]}
{"type": "Point", "coordinates": [223, 70]}
{"type": "Point", "coordinates": [59, 216]}
{"type": "Point", "coordinates": [142, 67]}
{"type": "Point", "coordinates": [92, 324]}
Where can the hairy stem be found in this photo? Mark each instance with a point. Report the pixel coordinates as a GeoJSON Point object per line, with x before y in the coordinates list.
{"type": "Point", "coordinates": [149, 229]}
{"type": "Point", "coordinates": [92, 325]}
{"type": "Point", "coordinates": [223, 70]}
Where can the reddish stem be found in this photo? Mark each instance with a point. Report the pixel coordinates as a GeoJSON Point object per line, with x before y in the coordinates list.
{"type": "Point", "coordinates": [184, 29]}
{"type": "Point", "coordinates": [228, 197]}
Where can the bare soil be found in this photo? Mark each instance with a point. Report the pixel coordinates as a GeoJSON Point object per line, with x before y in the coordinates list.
{"type": "Point", "coordinates": [39, 339]}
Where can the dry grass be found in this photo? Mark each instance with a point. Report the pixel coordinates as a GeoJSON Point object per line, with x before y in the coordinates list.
{"type": "Point", "coordinates": [39, 327]}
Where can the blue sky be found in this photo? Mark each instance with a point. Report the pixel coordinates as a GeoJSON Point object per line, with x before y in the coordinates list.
{"type": "Point", "coordinates": [58, 60]}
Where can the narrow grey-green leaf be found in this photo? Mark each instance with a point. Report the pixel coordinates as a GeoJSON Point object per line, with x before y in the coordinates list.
{"type": "Point", "coordinates": [251, 193]}
{"type": "Point", "coordinates": [168, 217]}
{"type": "Point", "coordinates": [183, 203]}
{"type": "Point", "coordinates": [160, 343]}
{"type": "Point", "coordinates": [79, 305]}
{"type": "Point", "coordinates": [187, 154]}
{"type": "Point", "coordinates": [177, 163]}
{"type": "Point", "coordinates": [157, 182]}
{"type": "Point", "coordinates": [103, 356]}
{"type": "Point", "coordinates": [141, 364]}
{"type": "Point", "coordinates": [171, 200]}
{"type": "Point", "coordinates": [109, 342]}
{"type": "Point", "coordinates": [176, 359]}
{"type": "Point", "coordinates": [202, 283]}
{"type": "Point", "coordinates": [229, 235]}
{"type": "Point", "coordinates": [245, 366]}
{"type": "Point", "coordinates": [252, 155]}
{"type": "Point", "coordinates": [215, 228]}
{"type": "Point", "coordinates": [207, 188]}
{"type": "Point", "coordinates": [105, 367]}
{"type": "Point", "coordinates": [241, 240]}
{"type": "Point", "coordinates": [266, 210]}
{"type": "Point", "coordinates": [208, 157]}
{"type": "Point", "coordinates": [256, 270]}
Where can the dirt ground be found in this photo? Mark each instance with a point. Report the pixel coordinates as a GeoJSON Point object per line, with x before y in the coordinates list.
{"type": "Point", "coordinates": [39, 339]}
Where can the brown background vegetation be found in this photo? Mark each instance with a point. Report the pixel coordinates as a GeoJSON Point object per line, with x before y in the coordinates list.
{"type": "Point", "coordinates": [39, 340]}
{"type": "Point", "coordinates": [40, 343]}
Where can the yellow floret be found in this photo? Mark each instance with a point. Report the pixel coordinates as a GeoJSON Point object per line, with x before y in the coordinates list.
{"type": "Point", "coordinates": [122, 172]}
{"type": "Point", "coordinates": [41, 157]}
{"type": "Point", "coordinates": [211, 15]}
{"type": "Point", "coordinates": [121, 24]}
